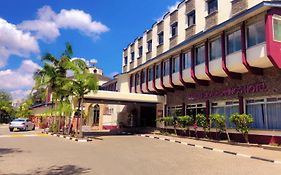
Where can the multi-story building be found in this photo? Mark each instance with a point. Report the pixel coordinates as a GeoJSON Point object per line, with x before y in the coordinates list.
{"type": "Point", "coordinates": [212, 56]}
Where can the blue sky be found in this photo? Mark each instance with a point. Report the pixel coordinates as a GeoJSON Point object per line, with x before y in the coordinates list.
{"type": "Point", "coordinates": [100, 30]}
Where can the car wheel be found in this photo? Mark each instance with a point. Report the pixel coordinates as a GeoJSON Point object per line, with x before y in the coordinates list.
{"type": "Point", "coordinates": [33, 128]}
{"type": "Point", "coordinates": [11, 129]}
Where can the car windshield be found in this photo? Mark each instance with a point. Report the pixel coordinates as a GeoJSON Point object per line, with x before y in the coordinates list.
{"type": "Point", "coordinates": [19, 120]}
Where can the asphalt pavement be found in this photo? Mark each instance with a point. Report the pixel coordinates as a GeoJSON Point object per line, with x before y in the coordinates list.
{"type": "Point", "coordinates": [114, 155]}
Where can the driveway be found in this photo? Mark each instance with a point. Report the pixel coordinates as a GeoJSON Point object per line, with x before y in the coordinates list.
{"type": "Point", "coordinates": [119, 155]}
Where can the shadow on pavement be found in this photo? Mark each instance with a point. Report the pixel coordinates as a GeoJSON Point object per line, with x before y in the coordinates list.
{"type": "Point", "coordinates": [57, 170]}
{"type": "Point", "coordinates": [4, 151]}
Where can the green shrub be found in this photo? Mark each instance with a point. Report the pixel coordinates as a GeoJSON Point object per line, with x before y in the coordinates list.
{"type": "Point", "coordinates": [219, 122]}
{"type": "Point", "coordinates": [242, 123]}
{"type": "Point", "coordinates": [185, 122]}
{"type": "Point", "coordinates": [53, 127]}
{"type": "Point", "coordinates": [203, 122]}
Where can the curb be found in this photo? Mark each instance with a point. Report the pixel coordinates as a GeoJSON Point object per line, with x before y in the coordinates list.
{"type": "Point", "coordinates": [213, 149]}
{"type": "Point", "coordinates": [69, 138]}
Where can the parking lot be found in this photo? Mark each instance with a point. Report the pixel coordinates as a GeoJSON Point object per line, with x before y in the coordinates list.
{"type": "Point", "coordinates": [127, 154]}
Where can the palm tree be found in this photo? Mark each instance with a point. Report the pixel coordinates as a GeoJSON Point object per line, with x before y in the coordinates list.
{"type": "Point", "coordinates": [82, 83]}
{"type": "Point", "coordinates": [53, 76]}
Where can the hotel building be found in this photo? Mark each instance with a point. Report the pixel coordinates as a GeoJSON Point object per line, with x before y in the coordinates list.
{"type": "Point", "coordinates": [211, 56]}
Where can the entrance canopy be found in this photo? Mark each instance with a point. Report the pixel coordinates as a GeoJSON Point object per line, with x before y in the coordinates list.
{"type": "Point", "coordinates": [111, 97]}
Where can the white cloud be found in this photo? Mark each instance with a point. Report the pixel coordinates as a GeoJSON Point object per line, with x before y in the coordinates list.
{"type": "Point", "coordinates": [173, 7]}
{"type": "Point", "coordinates": [19, 94]}
{"type": "Point", "coordinates": [113, 74]}
{"type": "Point", "coordinates": [48, 23]}
{"type": "Point", "coordinates": [170, 8]}
{"type": "Point", "coordinates": [15, 42]}
{"type": "Point", "coordinates": [21, 78]}
{"type": "Point", "coordinates": [88, 62]}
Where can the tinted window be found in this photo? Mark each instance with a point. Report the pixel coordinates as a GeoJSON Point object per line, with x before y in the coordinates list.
{"type": "Point", "coordinates": [212, 6]}
{"type": "Point", "coordinates": [255, 33]}
{"type": "Point", "coordinates": [200, 55]}
{"type": "Point", "coordinates": [234, 42]}
{"type": "Point", "coordinates": [186, 60]}
{"type": "Point", "coordinates": [215, 49]}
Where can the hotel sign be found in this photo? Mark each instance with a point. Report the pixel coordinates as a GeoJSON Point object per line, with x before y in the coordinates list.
{"type": "Point", "coordinates": [231, 91]}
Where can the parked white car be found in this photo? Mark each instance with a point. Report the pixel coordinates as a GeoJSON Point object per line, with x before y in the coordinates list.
{"type": "Point", "coordinates": [23, 124]}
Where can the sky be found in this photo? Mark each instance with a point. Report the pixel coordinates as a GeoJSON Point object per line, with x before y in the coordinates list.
{"type": "Point", "coordinates": [96, 29]}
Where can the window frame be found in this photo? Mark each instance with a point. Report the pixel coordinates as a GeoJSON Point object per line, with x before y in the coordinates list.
{"type": "Point", "coordinates": [257, 42]}
{"type": "Point", "coordinates": [143, 77]}
{"type": "Point", "coordinates": [174, 28]}
{"type": "Point", "coordinates": [166, 66]}
{"type": "Point", "coordinates": [275, 17]}
{"type": "Point", "coordinates": [188, 52]}
{"type": "Point", "coordinates": [188, 15]}
{"type": "Point", "coordinates": [126, 60]}
{"type": "Point", "coordinates": [196, 55]}
{"type": "Point", "coordinates": [175, 64]}
{"type": "Point", "coordinates": [137, 79]}
{"type": "Point", "coordinates": [149, 45]}
{"type": "Point", "coordinates": [150, 74]}
{"type": "Point", "coordinates": [218, 38]}
{"type": "Point", "coordinates": [160, 35]}
{"type": "Point", "coordinates": [140, 49]}
{"type": "Point", "coordinates": [226, 41]}
{"type": "Point", "coordinates": [132, 57]}
{"type": "Point", "coordinates": [157, 71]}
{"type": "Point", "coordinates": [214, 9]}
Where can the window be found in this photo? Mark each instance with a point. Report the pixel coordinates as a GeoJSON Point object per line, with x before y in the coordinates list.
{"type": "Point", "coordinates": [132, 56]}
{"type": "Point", "coordinates": [277, 28]}
{"type": "Point", "coordinates": [166, 68]}
{"type": "Point", "coordinates": [175, 64]}
{"type": "Point", "coordinates": [140, 51]}
{"type": "Point", "coordinates": [255, 33]}
{"type": "Point", "coordinates": [150, 74]}
{"type": "Point", "coordinates": [174, 29]}
{"type": "Point", "coordinates": [227, 109]}
{"type": "Point", "coordinates": [143, 77]}
{"type": "Point", "coordinates": [186, 60]}
{"type": "Point", "coordinates": [138, 78]}
{"type": "Point", "coordinates": [149, 46]}
{"type": "Point", "coordinates": [215, 49]}
{"type": "Point", "coordinates": [212, 6]}
{"type": "Point", "coordinates": [157, 71]}
{"type": "Point", "coordinates": [233, 42]}
{"type": "Point", "coordinates": [199, 55]}
{"type": "Point", "coordinates": [133, 80]}
{"type": "Point", "coordinates": [160, 38]}
{"type": "Point", "coordinates": [190, 18]}
{"type": "Point", "coordinates": [125, 60]}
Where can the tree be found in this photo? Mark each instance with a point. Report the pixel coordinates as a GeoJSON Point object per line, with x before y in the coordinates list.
{"type": "Point", "coordinates": [203, 122]}
{"type": "Point", "coordinates": [6, 108]}
{"type": "Point", "coordinates": [242, 123]}
{"type": "Point", "coordinates": [53, 77]}
{"type": "Point", "coordinates": [219, 122]}
{"type": "Point", "coordinates": [82, 83]}
{"type": "Point", "coordinates": [185, 122]}
{"type": "Point", "coordinates": [24, 111]}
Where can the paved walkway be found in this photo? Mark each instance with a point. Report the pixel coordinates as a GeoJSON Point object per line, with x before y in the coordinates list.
{"type": "Point", "coordinates": [242, 150]}
{"type": "Point", "coordinates": [22, 135]}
